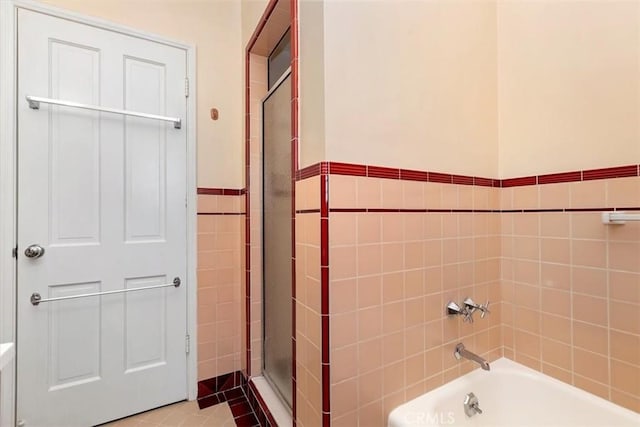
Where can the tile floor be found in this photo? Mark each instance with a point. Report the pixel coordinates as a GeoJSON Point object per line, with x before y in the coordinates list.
{"type": "Point", "coordinates": [185, 414]}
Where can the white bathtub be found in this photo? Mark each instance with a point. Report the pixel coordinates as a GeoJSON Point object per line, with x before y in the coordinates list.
{"type": "Point", "coordinates": [511, 395]}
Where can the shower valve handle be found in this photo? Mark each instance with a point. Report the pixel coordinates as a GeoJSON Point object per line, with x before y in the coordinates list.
{"type": "Point", "coordinates": [484, 309]}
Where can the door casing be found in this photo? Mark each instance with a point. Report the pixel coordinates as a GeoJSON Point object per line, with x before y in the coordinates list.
{"type": "Point", "coordinates": [8, 174]}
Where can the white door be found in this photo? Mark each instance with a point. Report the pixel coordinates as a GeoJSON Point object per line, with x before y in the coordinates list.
{"type": "Point", "coordinates": [104, 195]}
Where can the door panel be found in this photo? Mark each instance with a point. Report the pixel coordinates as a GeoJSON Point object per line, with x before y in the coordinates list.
{"type": "Point", "coordinates": [74, 144]}
{"type": "Point", "coordinates": [277, 253]}
{"type": "Point", "coordinates": [98, 191]}
{"type": "Point", "coordinates": [146, 151]}
{"type": "Point", "coordinates": [145, 324]}
{"type": "Point", "coordinates": [69, 321]}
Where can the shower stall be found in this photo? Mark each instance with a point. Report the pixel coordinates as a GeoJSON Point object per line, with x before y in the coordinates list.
{"type": "Point", "coordinates": [276, 223]}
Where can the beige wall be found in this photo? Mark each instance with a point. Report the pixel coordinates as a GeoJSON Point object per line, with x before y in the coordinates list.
{"type": "Point", "coordinates": [312, 147]}
{"type": "Point", "coordinates": [498, 89]}
{"type": "Point", "coordinates": [568, 85]}
{"type": "Point", "coordinates": [408, 84]}
{"type": "Point", "coordinates": [213, 27]}
{"type": "Point", "coordinates": [252, 11]}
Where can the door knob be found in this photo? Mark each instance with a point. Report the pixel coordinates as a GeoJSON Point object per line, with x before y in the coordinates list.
{"type": "Point", "coordinates": [34, 251]}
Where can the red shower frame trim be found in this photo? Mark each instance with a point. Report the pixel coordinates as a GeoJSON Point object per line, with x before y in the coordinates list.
{"type": "Point", "coordinates": [294, 168]}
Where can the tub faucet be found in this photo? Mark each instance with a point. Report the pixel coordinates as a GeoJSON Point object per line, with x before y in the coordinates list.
{"type": "Point", "coordinates": [461, 352]}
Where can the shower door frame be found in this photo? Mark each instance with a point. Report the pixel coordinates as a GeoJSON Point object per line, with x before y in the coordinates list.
{"type": "Point", "coordinates": [286, 74]}
{"type": "Point", "coordinates": [273, 21]}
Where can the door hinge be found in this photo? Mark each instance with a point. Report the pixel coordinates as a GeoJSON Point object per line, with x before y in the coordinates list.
{"type": "Point", "coordinates": [187, 344]}
{"type": "Point", "coordinates": [15, 252]}
{"type": "Point", "coordinates": [186, 87]}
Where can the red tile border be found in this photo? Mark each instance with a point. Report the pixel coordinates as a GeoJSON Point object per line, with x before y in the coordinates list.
{"type": "Point", "coordinates": [484, 182]}
{"type": "Point", "coordinates": [221, 213]}
{"type": "Point", "coordinates": [324, 196]}
{"type": "Point", "coordinates": [347, 169]}
{"type": "Point", "coordinates": [518, 182]}
{"type": "Point", "coordinates": [555, 178]}
{"type": "Point", "coordinates": [222, 191]}
{"type": "Point", "coordinates": [444, 178]}
{"type": "Point", "coordinates": [399, 210]}
{"type": "Point", "coordinates": [337, 168]}
{"type": "Point", "coordinates": [411, 175]}
{"type": "Point", "coordinates": [247, 198]}
{"type": "Point", "coordinates": [615, 172]}
{"type": "Point", "coordinates": [383, 172]}
{"type": "Point", "coordinates": [308, 172]}
{"type": "Point", "coordinates": [462, 179]}
{"type": "Point", "coordinates": [324, 298]}
{"type": "Point", "coordinates": [387, 210]}
{"type": "Point", "coordinates": [259, 406]}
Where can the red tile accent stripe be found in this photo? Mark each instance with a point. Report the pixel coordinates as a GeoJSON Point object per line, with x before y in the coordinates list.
{"type": "Point", "coordinates": [386, 210]}
{"type": "Point", "coordinates": [383, 172]}
{"type": "Point", "coordinates": [308, 172]}
{"type": "Point", "coordinates": [398, 210]}
{"type": "Point", "coordinates": [617, 172]}
{"type": "Point", "coordinates": [324, 297]}
{"type": "Point", "coordinates": [324, 196]}
{"type": "Point", "coordinates": [336, 168]}
{"type": "Point", "coordinates": [444, 178]}
{"type": "Point", "coordinates": [347, 169]}
{"type": "Point", "coordinates": [462, 179]}
{"type": "Point", "coordinates": [326, 397]}
{"type": "Point", "coordinates": [221, 213]}
{"type": "Point", "coordinates": [518, 182]}
{"type": "Point", "coordinates": [484, 182]}
{"type": "Point", "coordinates": [258, 405]}
{"type": "Point", "coordinates": [411, 175]}
{"type": "Point", "coordinates": [560, 177]}
{"type": "Point", "coordinates": [222, 191]}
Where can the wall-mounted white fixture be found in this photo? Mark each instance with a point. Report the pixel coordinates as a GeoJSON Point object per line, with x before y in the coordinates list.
{"type": "Point", "coordinates": [617, 218]}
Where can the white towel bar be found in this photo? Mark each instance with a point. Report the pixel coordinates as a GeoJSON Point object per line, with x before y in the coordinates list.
{"type": "Point", "coordinates": [615, 218]}
{"type": "Point", "coordinates": [34, 103]}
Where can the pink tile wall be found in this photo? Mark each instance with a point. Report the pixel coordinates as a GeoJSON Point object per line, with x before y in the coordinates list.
{"type": "Point", "coordinates": [571, 286]}
{"type": "Point", "coordinates": [258, 89]}
{"type": "Point", "coordinates": [220, 237]}
{"type": "Point", "coordinates": [307, 304]}
{"type": "Point", "coordinates": [391, 274]}
{"type": "Point", "coordinates": [565, 289]}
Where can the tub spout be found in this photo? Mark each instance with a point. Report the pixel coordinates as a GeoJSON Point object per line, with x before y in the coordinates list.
{"type": "Point", "coordinates": [461, 352]}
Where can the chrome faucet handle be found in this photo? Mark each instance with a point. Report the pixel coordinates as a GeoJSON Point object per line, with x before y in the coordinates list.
{"type": "Point", "coordinates": [453, 309]}
{"type": "Point", "coordinates": [484, 309]}
{"type": "Point", "coordinates": [471, 305]}
{"type": "Point", "coordinates": [471, 405]}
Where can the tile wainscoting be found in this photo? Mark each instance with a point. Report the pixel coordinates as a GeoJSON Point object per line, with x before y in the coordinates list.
{"type": "Point", "coordinates": [385, 249]}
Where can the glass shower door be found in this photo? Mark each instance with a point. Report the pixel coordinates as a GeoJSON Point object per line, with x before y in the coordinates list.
{"type": "Point", "coordinates": [276, 238]}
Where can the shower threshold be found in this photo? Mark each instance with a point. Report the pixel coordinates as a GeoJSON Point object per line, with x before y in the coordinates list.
{"type": "Point", "coordinates": [279, 411]}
